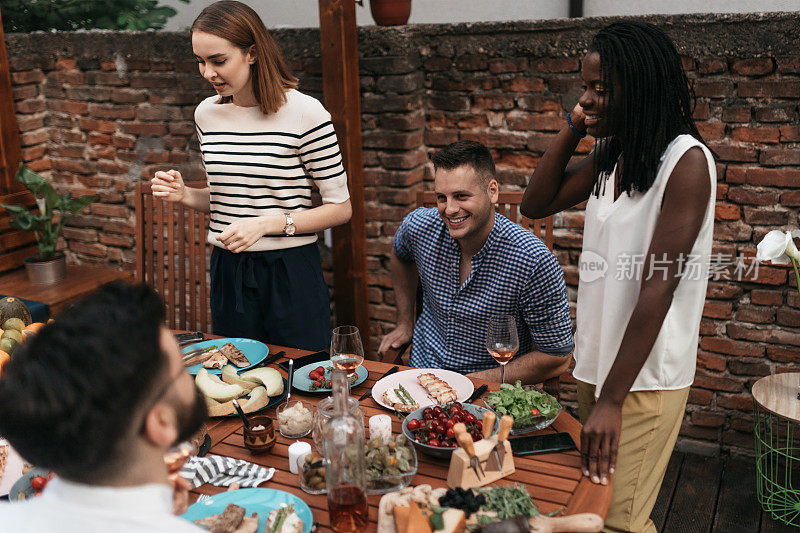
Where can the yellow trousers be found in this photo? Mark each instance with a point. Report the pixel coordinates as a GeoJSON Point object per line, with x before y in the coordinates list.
{"type": "Point", "coordinates": [651, 421]}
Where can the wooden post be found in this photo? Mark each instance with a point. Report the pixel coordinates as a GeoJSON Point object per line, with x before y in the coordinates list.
{"type": "Point", "coordinates": [339, 44]}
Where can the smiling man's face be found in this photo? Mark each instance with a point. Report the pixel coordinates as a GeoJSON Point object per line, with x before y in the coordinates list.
{"type": "Point", "coordinates": [465, 202]}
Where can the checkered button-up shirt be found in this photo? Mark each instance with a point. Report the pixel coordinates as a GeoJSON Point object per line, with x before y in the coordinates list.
{"type": "Point", "coordinates": [514, 273]}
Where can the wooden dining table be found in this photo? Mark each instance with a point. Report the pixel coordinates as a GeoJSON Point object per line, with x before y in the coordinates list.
{"type": "Point", "coordinates": [554, 480]}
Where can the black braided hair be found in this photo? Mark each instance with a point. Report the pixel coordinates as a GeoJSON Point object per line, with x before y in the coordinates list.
{"type": "Point", "coordinates": [650, 102]}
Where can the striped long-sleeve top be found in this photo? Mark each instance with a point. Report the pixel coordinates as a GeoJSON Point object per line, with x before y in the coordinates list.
{"type": "Point", "coordinates": [267, 164]}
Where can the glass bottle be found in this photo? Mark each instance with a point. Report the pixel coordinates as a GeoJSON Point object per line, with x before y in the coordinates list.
{"type": "Point", "coordinates": [346, 451]}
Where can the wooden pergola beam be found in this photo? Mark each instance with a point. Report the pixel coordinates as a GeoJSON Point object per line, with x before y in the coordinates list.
{"type": "Point", "coordinates": [339, 45]}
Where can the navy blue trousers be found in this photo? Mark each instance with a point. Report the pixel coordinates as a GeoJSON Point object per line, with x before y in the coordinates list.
{"type": "Point", "coordinates": [276, 297]}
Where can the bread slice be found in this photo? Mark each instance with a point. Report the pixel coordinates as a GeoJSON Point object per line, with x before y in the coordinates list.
{"type": "Point", "coordinates": [439, 389]}
{"type": "Point", "coordinates": [399, 402]}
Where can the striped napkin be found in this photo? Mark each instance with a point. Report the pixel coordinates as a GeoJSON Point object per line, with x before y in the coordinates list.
{"type": "Point", "coordinates": [224, 471]}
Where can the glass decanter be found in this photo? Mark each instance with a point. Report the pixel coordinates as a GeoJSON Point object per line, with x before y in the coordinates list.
{"type": "Point", "coordinates": [346, 451]}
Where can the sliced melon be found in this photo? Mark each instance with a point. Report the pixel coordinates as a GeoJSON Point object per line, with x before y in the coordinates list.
{"type": "Point", "coordinates": [269, 377]}
{"type": "Point", "coordinates": [214, 388]}
{"type": "Point", "coordinates": [231, 375]}
{"type": "Point", "coordinates": [258, 400]}
{"type": "Point", "coordinates": [216, 408]}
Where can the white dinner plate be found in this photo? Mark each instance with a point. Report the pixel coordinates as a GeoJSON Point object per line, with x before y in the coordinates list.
{"type": "Point", "coordinates": [408, 379]}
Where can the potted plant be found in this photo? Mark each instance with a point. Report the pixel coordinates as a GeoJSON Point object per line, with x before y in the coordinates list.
{"type": "Point", "coordinates": [49, 265]}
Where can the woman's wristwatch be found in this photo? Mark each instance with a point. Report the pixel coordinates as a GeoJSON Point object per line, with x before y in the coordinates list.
{"type": "Point", "coordinates": [289, 228]}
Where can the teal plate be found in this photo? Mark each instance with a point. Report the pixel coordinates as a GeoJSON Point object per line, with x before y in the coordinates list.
{"type": "Point", "coordinates": [272, 403]}
{"type": "Point", "coordinates": [302, 382]}
{"type": "Point", "coordinates": [260, 501]}
{"type": "Point", "coordinates": [254, 351]}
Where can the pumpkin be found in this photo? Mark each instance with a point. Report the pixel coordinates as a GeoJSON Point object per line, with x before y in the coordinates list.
{"type": "Point", "coordinates": [4, 358]}
{"type": "Point", "coordinates": [11, 307]}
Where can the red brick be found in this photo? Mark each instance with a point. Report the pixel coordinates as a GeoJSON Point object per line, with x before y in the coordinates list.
{"type": "Point", "coordinates": [699, 396]}
{"type": "Point", "coordinates": [711, 130]}
{"type": "Point", "coordinates": [748, 367]}
{"type": "Point", "coordinates": [711, 361]}
{"type": "Point", "coordinates": [706, 419]}
{"type": "Point", "coordinates": [743, 424]}
{"type": "Point", "coordinates": [700, 111]}
{"type": "Point", "coordinates": [436, 63]}
{"type": "Point", "coordinates": [753, 67]}
{"type": "Point", "coordinates": [22, 92]}
{"type": "Point", "coordinates": [764, 297]}
{"type": "Point", "coordinates": [731, 347]}
{"type": "Point", "coordinates": [718, 309]}
{"type": "Point", "coordinates": [727, 212]}
{"type": "Point", "coordinates": [711, 65]}
{"type": "Point", "coordinates": [784, 88]}
{"type": "Point", "coordinates": [66, 64]}
{"type": "Point", "coordinates": [30, 76]}
{"type": "Point", "coordinates": [767, 276]}
{"type": "Point", "coordinates": [740, 113]}
{"type": "Point", "coordinates": [754, 134]}
{"type": "Point", "coordinates": [755, 314]}
{"type": "Point", "coordinates": [770, 177]}
{"type": "Point", "coordinates": [93, 249]}
{"type": "Point", "coordinates": [80, 234]}
{"type": "Point", "coordinates": [790, 198]}
{"type": "Point", "coordinates": [535, 122]}
{"type": "Point", "coordinates": [788, 65]}
{"type": "Point", "coordinates": [765, 216]}
{"type": "Point", "coordinates": [511, 140]}
{"type": "Point", "coordinates": [556, 64]}
{"type": "Point", "coordinates": [754, 196]}
{"type": "Point", "coordinates": [735, 175]}
{"type": "Point", "coordinates": [789, 317]}
{"type": "Point", "coordinates": [775, 113]}
{"type": "Point", "coordinates": [112, 239]}
{"type": "Point", "coordinates": [143, 128]}
{"type": "Point", "coordinates": [735, 231]}
{"type": "Point", "coordinates": [730, 152]}
{"type": "Point", "coordinates": [790, 133]}
{"type": "Point", "coordinates": [708, 327]}
{"type": "Point", "coordinates": [438, 137]}
{"type": "Point", "coordinates": [471, 62]}
{"type": "Point", "coordinates": [713, 89]}
{"type": "Point", "coordinates": [704, 380]}
{"type": "Point", "coordinates": [779, 157]}
{"type": "Point", "coordinates": [737, 402]}
{"type": "Point", "coordinates": [522, 160]}
{"type": "Point", "coordinates": [502, 65]}
{"type": "Point", "coordinates": [784, 354]}
{"type": "Point", "coordinates": [497, 102]}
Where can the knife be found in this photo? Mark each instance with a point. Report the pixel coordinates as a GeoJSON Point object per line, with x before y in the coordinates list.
{"type": "Point", "coordinates": [369, 392]}
{"type": "Point", "coordinates": [464, 440]}
{"type": "Point", "coordinates": [477, 394]}
{"type": "Point", "coordinates": [488, 427]}
{"type": "Point", "coordinates": [501, 436]}
{"type": "Point", "coordinates": [269, 360]}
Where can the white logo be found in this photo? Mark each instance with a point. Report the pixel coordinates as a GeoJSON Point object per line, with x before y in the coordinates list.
{"type": "Point", "coordinates": [592, 266]}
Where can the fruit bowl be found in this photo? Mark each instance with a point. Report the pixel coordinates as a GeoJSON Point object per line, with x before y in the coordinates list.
{"type": "Point", "coordinates": [438, 451]}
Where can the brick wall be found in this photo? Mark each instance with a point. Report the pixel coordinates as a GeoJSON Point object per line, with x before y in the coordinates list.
{"type": "Point", "coordinates": [99, 111]}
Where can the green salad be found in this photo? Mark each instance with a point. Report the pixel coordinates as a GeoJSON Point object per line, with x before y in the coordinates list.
{"type": "Point", "coordinates": [522, 404]}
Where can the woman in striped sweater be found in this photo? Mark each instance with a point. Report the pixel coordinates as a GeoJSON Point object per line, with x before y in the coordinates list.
{"type": "Point", "coordinates": [264, 146]}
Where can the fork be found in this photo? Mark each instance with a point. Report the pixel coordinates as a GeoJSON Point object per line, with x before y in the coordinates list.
{"type": "Point", "coordinates": [203, 497]}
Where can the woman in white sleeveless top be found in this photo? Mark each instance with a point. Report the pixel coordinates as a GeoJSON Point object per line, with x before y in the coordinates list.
{"type": "Point", "coordinates": [650, 183]}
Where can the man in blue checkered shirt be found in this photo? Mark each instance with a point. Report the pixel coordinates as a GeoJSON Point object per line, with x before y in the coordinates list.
{"type": "Point", "coordinates": [474, 264]}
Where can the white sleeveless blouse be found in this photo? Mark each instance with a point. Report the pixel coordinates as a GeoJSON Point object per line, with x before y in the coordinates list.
{"type": "Point", "coordinates": [617, 235]}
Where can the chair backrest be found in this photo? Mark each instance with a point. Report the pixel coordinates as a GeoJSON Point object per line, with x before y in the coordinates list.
{"type": "Point", "coordinates": [508, 206]}
{"type": "Point", "coordinates": [172, 257]}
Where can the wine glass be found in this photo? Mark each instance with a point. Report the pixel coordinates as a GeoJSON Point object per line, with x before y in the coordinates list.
{"type": "Point", "coordinates": [502, 341]}
{"type": "Point", "coordinates": [347, 352]}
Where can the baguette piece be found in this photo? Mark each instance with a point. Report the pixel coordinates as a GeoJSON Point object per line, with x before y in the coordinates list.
{"type": "Point", "coordinates": [400, 400]}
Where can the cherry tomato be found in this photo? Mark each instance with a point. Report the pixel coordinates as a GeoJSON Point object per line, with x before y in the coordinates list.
{"type": "Point", "coordinates": [432, 435]}
{"type": "Point", "coordinates": [477, 437]}
{"type": "Point", "coordinates": [449, 423]}
{"type": "Point", "coordinates": [38, 482]}
{"type": "Point", "coordinates": [479, 425]}
{"type": "Point", "coordinates": [427, 410]}
{"type": "Point", "coordinates": [444, 444]}
{"type": "Point", "coordinates": [534, 412]}
{"type": "Point", "coordinates": [427, 416]}
{"type": "Point", "coordinates": [469, 418]}
{"type": "Point", "coordinates": [433, 442]}
{"type": "Point", "coordinates": [437, 410]}
{"type": "Point", "coordinates": [450, 433]}
{"type": "Point", "coordinates": [413, 424]}
{"type": "Point", "coordinates": [457, 404]}
{"type": "Point", "coordinates": [314, 375]}
{"type": "Point", "coordinates": [458, 418]}
{"type": "Point", "coordinates": [454, 409]}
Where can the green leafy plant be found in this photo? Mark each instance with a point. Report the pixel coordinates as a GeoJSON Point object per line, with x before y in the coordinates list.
{"type": "Point", "coordinates": [68, 15]}
{"type": "Point", "coordinates": [54, 211]}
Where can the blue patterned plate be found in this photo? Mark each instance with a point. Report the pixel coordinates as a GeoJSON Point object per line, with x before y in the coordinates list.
{"type": "Point", "coordinates": [260, 501]}
{"type": "Point", "coordinates": [255, 352]}
{"type": "Point", "coordinates": [302, 382]}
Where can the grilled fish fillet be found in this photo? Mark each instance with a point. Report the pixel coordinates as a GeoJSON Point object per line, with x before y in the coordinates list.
{"type": "Point", "coordinates": [234, 355]}
{"type": "Point", "coordinates": [217, 360]}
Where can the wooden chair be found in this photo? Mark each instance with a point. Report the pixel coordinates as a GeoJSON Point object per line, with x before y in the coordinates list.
{"type": "Point", "coordinates": [508, 206]}
{"type": "Point", "coordinates": [172, 257]}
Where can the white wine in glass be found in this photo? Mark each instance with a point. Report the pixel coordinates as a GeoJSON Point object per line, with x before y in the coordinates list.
{"type": "Point", "coordinates": [502, 341]}
{"type": "Point", "coordinates": [347, 352]}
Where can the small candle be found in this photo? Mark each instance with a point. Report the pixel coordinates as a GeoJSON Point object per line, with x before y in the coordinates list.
{"type": "Point", "coordinates": [380, 427]}
{"type": "Point", "coordinates": [296, 450]}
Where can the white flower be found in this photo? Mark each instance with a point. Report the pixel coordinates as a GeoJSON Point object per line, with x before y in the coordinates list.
{"type": "Point", "coordinates": [778, 247]}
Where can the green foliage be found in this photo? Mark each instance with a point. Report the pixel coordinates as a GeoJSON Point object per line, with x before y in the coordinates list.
{"type": "Point", "coordinates": [45, 225]}
{"type": "Point", "coordinates": [69, 15]}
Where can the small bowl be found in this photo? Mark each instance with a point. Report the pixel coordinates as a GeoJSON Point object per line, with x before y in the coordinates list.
{"type": "Point", "coordinates": [304, 468]}
{"type": "Point", "coordinates": [435, 451]}
{"type": "Point", "coordinates": [259, 440]}
{"type": "Point", "coordinates": [386, 483]}
{"type": "Point", "coordinates": [528, 424]}
{"type": "Point", "coordinates": [283, 407]}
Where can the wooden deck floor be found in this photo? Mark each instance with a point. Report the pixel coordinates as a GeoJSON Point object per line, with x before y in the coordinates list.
{"type": "Point", "coordinates": [712, 494]}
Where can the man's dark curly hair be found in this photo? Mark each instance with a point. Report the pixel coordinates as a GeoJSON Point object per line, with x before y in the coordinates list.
{"type": "Point", "coordinates": [70, 396]}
